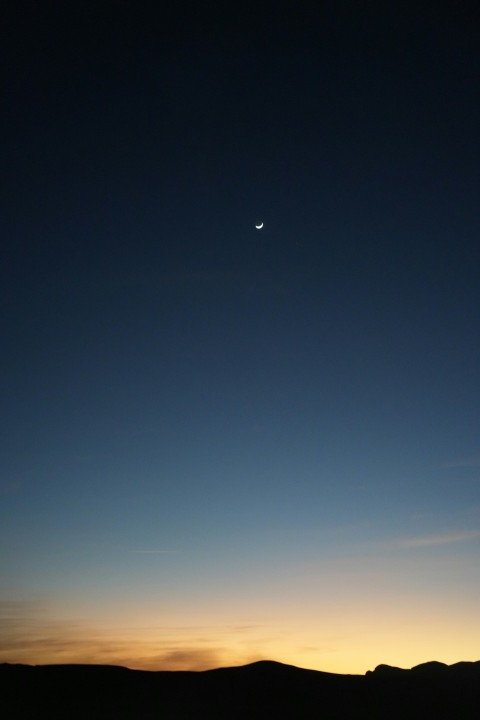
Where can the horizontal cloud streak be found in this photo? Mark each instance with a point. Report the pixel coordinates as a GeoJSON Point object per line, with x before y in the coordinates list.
{"type": "Point", "coordinates": [30, 635]}
{"type": "Point", "coordinates": [471, 462]}
{"type": "Point", "coordinates": [442, 539]}
{"type": "Point", "coordinates": [155, 552]}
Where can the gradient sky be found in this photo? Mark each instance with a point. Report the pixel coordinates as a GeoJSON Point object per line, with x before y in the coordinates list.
{"type": "Point", "coordinates": [221, 444]}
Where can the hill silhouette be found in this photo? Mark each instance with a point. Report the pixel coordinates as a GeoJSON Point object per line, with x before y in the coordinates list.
{"type": "Point", "coordinates": [264, 689]}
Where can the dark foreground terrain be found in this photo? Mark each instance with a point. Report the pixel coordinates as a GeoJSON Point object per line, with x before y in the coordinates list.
{"type": "Point", "coordinates": [261, 690]}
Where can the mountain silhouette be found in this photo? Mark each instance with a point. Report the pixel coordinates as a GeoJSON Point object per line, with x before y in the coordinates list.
{"type": "Point", "coordinates": [264, 689]}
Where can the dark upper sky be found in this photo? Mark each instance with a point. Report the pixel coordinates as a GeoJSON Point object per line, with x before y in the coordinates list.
{"type": "Point", "coordinates": [170, 375]}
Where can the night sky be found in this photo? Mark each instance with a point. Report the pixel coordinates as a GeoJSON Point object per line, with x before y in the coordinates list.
{"type": "Point", "coordinates": [221, 444]}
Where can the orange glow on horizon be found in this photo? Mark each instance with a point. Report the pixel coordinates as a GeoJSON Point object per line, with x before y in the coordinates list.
{"type": "Point", "coordinates": [338, 641]}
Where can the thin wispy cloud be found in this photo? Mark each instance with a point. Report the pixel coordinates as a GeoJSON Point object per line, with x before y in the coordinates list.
{"type": "Point", "coordinates": [30, 635]}
{"type": "Point", "coordinates": [154, 552]}
{"type": "Point", "coordinates": [469, 462]}
{"type": "Point", "coordinates": [441, 539]}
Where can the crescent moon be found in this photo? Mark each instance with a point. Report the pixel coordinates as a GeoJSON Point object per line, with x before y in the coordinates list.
{"type": "Point", "coordinates": [259, 227]}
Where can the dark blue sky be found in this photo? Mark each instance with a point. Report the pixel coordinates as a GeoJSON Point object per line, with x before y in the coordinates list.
{"type": "Point", "coordinates": [174, 379]}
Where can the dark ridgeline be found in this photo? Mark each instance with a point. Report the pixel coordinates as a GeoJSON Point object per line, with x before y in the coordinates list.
{"type": "Point", "coordinates": [260, 690]}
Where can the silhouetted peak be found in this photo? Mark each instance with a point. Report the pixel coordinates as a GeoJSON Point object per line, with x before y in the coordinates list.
{"type": "Point", "coordinates": [386, 670]}
{"type": "Point", "coordinates": [467, 665]}
{"type": "Point", "coordinates": [271, 665]}
{"type": "Point", "coordinates": [262, 666]}
{"type": "Point", "coordinates": [430, 667]}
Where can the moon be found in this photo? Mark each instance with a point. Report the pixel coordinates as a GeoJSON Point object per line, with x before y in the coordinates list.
{"type": "Point", "coordinates": [259, 227]}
